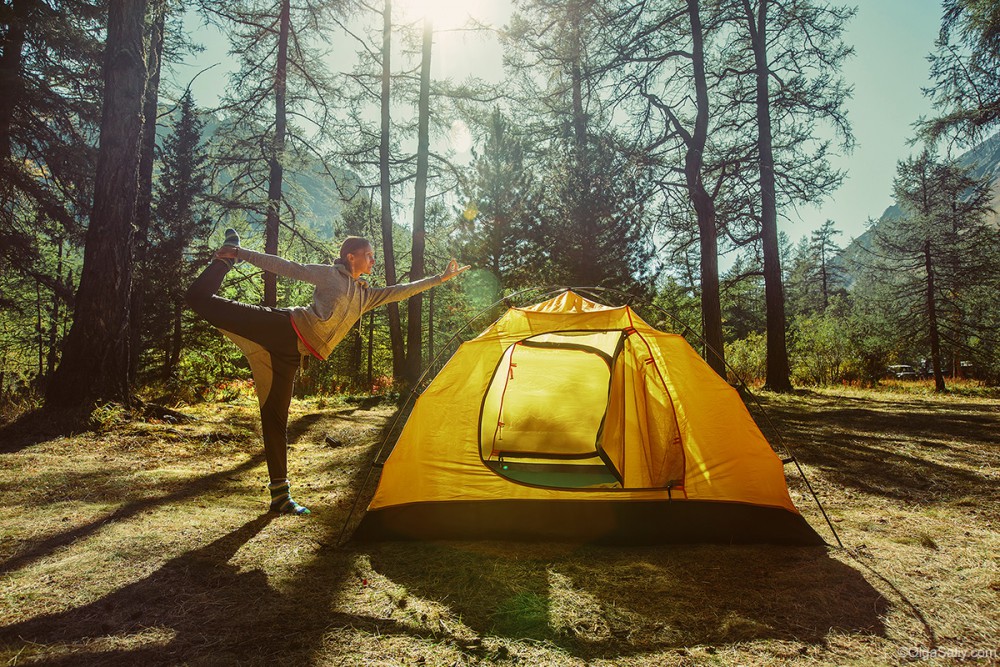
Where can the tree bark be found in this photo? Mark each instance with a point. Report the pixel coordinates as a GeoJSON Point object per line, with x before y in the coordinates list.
{"type": "Point", "coordinates": [414, 316]}
{"type": "Point", "coordinates": [430, 328]}
{"type": "Point", "coordinates": [777, 353]}
{"type": "Point", "coordinates": [371, 347]}
{"type": "Point", "coordinates": [144, 198]}
{"type": "Point", "coordinates": [50, 366]}
{"type": "Point", "coordinates": [173, 356]}
{"type": "Point", "coordinates": [277, 156]}
{"type": "Point", "coordinates": [704, 206]}
{"type": "Point", "coordinates": [385, 187]}
{"type": "Point", "coordinates": [95, 363]}
{"type": "Point", "coordinates": [932, 319]}
{"type": "Point", "coordinates": [11, 78]}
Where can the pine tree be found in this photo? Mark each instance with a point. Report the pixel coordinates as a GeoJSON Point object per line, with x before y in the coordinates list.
{"type": "Point", "coordinates": [594, 221]}
{"type": "Point", "coordinates": [499, 227]}
{"type": "Point", "coordinates": [828, 274]}
{"type": "Point", "coordinates": [277, 109]}
{"type": "Point", "coordinates": [794, 48]}
{"type": "Point", "coordinates": [932, 256]}
{"type": "Point", "coordinates": [50, 91]}
{"type": "Point", "coordinates": [179, 221]}
{"type": "Point", "coordinates": [965, 69]}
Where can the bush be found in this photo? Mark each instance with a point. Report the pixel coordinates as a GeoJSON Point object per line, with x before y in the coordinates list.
{"type": "Point", "coordinates": [819, 350]}
{"type": "Point", "coordinates": [747, 359]}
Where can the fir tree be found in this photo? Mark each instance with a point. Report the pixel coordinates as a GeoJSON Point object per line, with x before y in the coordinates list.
{"type": "Point", "coordinates": [179, 221]}
{"type": "Point", "coordinates": [499, 226]}
{"type": "Point", "coordinates": [932, 256]}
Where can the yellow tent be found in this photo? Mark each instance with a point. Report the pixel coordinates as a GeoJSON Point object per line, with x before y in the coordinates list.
{"type": "Point", "coordinates": [571, 420]}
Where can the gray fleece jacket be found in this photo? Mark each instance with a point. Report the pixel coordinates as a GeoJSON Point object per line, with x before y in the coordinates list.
{"type": "Point", "coordinates": [339, 300]}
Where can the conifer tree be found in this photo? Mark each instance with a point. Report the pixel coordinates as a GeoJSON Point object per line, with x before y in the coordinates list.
{"type": "Point", "coordinates": [934, 255]}
{"type": "Point", "coordinates": [828, 273]}
{"type": "Point", "coordinates": [277, 109]}
{"type": "Point", "coordinates": [499, 228]}
{"type": "Point", "coordinates": [594, 228]}
{"type": "Point", "coordinates": [179, 221]}
{"type": "Point", "coordinates": [965, 69]}
{"type": "Point", "coordinates": [50, 91]}
{"type": "Point", "coordinates": [791, 51]}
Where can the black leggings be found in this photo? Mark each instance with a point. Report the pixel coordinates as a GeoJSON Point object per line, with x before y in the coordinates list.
{"type": "Point", "coordinates": [273, 368]}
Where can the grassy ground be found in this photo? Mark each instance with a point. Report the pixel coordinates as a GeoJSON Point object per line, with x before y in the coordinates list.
{"type": "Point", "coordinates": [147, 542]}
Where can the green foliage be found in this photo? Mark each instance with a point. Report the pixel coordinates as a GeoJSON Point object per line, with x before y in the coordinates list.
{"type": "Point", "coordinates": [176, 248]}
{"type": "Point", "coordinates": [820, 353]}
{"type": "Point", "coordinates": [965, 68]}
{"type": "Point", "coordinates": [499, 225]}
{"type": "Point", "coordinates": [747, 359]}
{"type": "Point", "coordinates": [742, 297]}
{"type": "Point", "coordinates": [50, 92]}
{"type": "Point", "coordinates": [926, 265]}
{"type": "Point", "coordinates": [594, 226]}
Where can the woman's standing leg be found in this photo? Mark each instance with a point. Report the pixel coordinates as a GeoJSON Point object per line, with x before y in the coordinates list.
{"type": "Point", "coordinates": [267, 338]}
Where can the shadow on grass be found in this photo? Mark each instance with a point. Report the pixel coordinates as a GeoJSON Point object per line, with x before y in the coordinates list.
{"type": "Point", "coordinates": [199, 607]}
{"type": "Point", "coordinates": [910, 450]}
{"type": "Point", "coordinates": [40, 425]}
{"type": "Point", "coordinates": [598, 602]}
{"type": "Point", "coordinates": [592, 602]}
{"type": "Point", "coordinates": [189, 490]}
{"type": "Point", "coordinates": [179, 598]}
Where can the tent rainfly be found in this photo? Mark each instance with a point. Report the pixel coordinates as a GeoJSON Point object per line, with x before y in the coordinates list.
{"type": "Point", "coordinates": [571, 420]}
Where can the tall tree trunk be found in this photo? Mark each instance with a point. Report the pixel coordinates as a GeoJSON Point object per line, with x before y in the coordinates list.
{"type": "Point", "coordinates": [385, 188]}
{"type": "Point", "coordinates": [11, 78]}
{"type": "Point", "coordinates": [371, 347]}
{"type": "Point", "coordinates": [932, 323]}
{"type": "Point", "coordinates": [583, 214]}
{"type": "Point", "coordinates": [430, 328]}
{"type": "Point", "coordinates": [414, 316]}
{"type": "Point", "coordinates": [39, 330]}
{"type": "Point", "coordinates": [173, 356]}
{"type": "Point", "coordinates": [144, 199]}
{"type": "Point", "coordinates": [50, 366]}
{"type": "Point", "coordinates": [277, 156]}
{"type": "Point", "coordinates": [704, 205]}
{"type": "Point", "coordinates": [777, 353]}
{"type": "Point", "coordinates": [357, 350]}
{"type": "Point", "coordinates": [95, 363]}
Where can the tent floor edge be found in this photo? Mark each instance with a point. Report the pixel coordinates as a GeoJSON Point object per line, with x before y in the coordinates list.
{"type": "Point", "coordinates": [586, 521]}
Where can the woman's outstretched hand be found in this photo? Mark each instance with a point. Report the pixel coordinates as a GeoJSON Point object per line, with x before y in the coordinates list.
{"type": "Point", "coordinates": [453, 270]}
{"type": "Point", "coordinates": [226, 252]}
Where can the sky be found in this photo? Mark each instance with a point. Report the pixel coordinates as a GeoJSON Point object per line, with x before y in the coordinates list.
{"type": "Point", "coordinates": [891, 38]}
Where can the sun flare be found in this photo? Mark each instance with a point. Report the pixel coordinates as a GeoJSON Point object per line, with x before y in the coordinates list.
{"type": "Point", "coordinates": [444, 14]}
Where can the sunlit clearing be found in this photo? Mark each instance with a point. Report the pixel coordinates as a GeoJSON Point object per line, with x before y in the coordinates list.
{"type": "Point", "coordinates": [481, 288]}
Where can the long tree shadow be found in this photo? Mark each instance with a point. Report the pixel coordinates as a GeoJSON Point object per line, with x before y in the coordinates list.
{"type": "Point", "coordinates": [190, 489]}
{"type": "Point", "coordinates": [920, 453]}
{"type": "Point", "coordinates": [205, 610]}
{"type": "Point", "coordinates": [175, 598]}
{"type": "Point", "coordinates": [599, 602]}
{"type": "Point", "coordinates": [202, 608]}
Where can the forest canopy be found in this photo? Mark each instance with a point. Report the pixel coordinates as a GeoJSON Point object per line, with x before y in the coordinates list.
{"type": "Point", "coordinates": [652, 147]}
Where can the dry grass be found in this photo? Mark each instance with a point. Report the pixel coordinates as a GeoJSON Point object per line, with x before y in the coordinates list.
{"type": "Point", "coordinates": [146, 543]}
